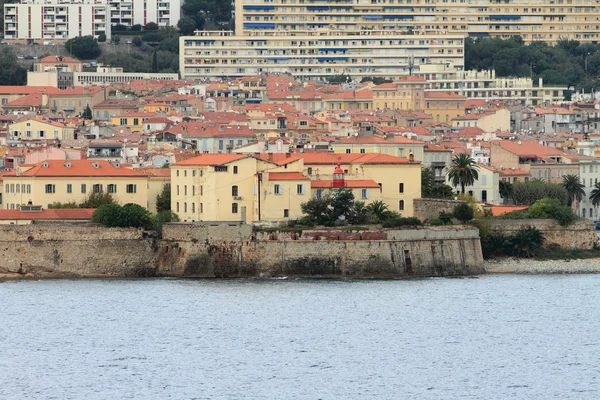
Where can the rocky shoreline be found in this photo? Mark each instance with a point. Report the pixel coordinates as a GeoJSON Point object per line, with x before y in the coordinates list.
{"type": "Point", "coordinates": [525, 266]}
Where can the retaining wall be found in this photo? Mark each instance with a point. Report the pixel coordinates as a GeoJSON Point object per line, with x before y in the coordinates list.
{"type": "Point", "coordinates": [426, 209]}
{"type": "Point", "coordinates": [580, 234]}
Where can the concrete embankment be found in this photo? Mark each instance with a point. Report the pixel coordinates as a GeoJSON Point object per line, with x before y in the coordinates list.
{"type": "Point", "coordinates": [525, 266]}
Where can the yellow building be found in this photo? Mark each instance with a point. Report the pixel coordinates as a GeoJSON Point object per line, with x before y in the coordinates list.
{"type": "Point", "coordinates": [272, 187]}
{"type": "Point", "coordinates": [133, 121]}
{"type": "Point", "coordinates": [444, 106]}
{"type": "Point", "coordinates": [404, 94]}
{"type": "Point", "coordinates": [158, 178]}
{"type": "Point", "coordinates": [39, 129]}
{"type": "Point", "coordinates": [57, 181]}
{"type": "Point", "coordinates": [345, 100]}
{"type": "Point", "coordinates": [158, 108]}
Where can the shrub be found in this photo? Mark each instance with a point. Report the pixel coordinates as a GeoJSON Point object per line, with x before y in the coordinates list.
{"type": "Point", "coordinates": [495, 244]}
{"type": "Point", "coordinates": [164, 217]}
{"type": "Point", "coordinates": [107, 215]}
{"type": "Point", "coordinates": [446, 218]}
{"type": "Point", "coordinates": [130, 215]}
{"type": "Point", "coordinates": [398, 222]}
{"type": "Point", "coordinates": [527, 242]}
{"type": "Point", "coordinates": [137, 41]}
{"type": "Point", "coordinates": [136, 28]}
{"type": "Point", "coordinates": [102, 38]}
{"type": "Point", "coordinates": [551, 208]}
{"type": "Point", "coordinates": [305, 221]}
{"type": "Point", "coordinates": [463, 212]}
{"type": "Point", "coordinates": [95, 200]}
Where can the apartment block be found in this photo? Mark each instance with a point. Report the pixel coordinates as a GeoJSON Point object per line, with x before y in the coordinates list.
{"type": "Point", "coordinates": [536, 20]}
{"type": "Point", "coordinates": [60, 20]}
{"type": "Point", "coordinates": [309, 55]}
{"type": "Point", "coordinates": [162, 12]}
{"type": "Point", "coordinates": [55, 20]}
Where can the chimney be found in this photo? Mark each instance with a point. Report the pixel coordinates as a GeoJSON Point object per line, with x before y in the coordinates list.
{"type": "Point", "coordinates": [270, 157]}
{"type": "Point", "coordinates": [288, 155]}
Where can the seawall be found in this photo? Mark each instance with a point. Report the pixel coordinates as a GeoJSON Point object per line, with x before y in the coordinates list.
{"type": "Point", "coordinates": [75, 250]}
{"type": "Point", "coordinates": [46, 250]}
{"type": "Point", "coordinates": [238, 251]}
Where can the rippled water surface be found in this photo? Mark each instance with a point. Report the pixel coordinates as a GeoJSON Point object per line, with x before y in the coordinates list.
{"type": "Point", "coordinates": [496, 337]}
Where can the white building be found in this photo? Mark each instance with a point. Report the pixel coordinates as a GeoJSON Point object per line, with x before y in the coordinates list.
{"type": "Point", "coordinates": [374, 53]}
{"type": "Point", "coordinates": [486, 188]}
{"type": "Point", "coordinates": [60, 20]}
{"type": "Point", "coordinates": [55, 20]}
{"type": "Point", "coordinates": [589, 174]}
{"type": "Point", "coordinates": [132, 12]}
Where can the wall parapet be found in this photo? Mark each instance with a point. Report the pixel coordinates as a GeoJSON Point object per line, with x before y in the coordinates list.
{"type": "Point", "coordinates": [427, 209]}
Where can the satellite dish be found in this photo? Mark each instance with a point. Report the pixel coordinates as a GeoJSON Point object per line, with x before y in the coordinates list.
{"type": "Point", "coordinates": [356, 134]}
{"type": "Point", "coordinates": [519, 142]}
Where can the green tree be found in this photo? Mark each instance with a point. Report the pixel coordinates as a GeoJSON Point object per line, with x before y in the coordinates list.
{"type": "Point", "coordinates": [151, 26]}
{"type": "Point", "coordinates": [137, 41]}
{"type": "Point", "coordinates": [595, 195]}
{"type": "Point", "coordinates": [154, 62]}
{"type": "Point", "coordinates": [11, 73]}
{"type": "Point", "coordinates": [134, 215]}
{"type": "Point", "coordinates": [136, 28]}
{"type": "Point", "coordinates": [574, 188]}
{"type": "Point", "coordinates": [463, 212]}
{"type": "Point", "coordinates": [83, 47]}
{"type": "Point", "coordinates": [527, 242]}
{"type": "Point", "coordinates": [337, 79]}
{"type": "Point", "coordinates": [163, 199]}
{"type": "Point", "coordinates": [506, 190]}
{"type": "Point", "coordinates": [463, 171]}
{"type": "Point", "coordinates": [116, 39]}
{"type": "Point", "coordinates": [95, 200]}
{"type": "Point", "coordinates": [164, 217]}
{"type": "Point", "coordinates": [318, 210]}
{"type": "Point", "coordinates": [186, 26]}
{"type": "Point", "coordinates": [101, 38]}
{"type": "Point", "coordinates": [107, 215]}
{"type": "Point", "coordinates": [430, 189]}
{"type": "Point", "coordinates": [87, 113]}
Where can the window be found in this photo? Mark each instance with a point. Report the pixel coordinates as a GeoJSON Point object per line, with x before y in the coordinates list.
{"type": "Point", "coordinates": [136, 121]}
{"type": "Point", "coordinates": [50, 188]}
{"type": "Point", "coordinates": [41, 134]}
{"type": "Point", "coordinates": [484, 196]}
{"type": "Point", "coordinates": [234, 208]}
{"type": "Point", "coordinates": [221, 144]}
{"type": "Point", "coordinates": [83, 188]}
{"type": "Point", "coordinates": [319, 194]}
{"type": "Point", "coordinates": [123, 121]}
{"type": "Point", "coordinates": [193, 172]}
{"type": "Point", "coordinates": [201, 190]}
{"type": "Point", "coordinates": [309, 170]}
{"type": "Point", "coordinates": [286, 213]}
{"type": "Point", "coordinates": [185, 173]}
{"type": "Point", "coordinates": [401, 205]}
{"type": "Point", "coordinates": [278, 189]}
{"type": "Point", "coordinates": [177, 172]}
{"type": "Point", "coordinates": [131, 188]}
{"type": "Point", "coordinates": [112, 188]}
{"type": "Point", "coordinates": [18, 188]}
{"type": "Point", "coordinates": [177, 190]}
{"type": "Point", "coordinates": [401, 188]}
{"type": "Point", "coordinates": [184, 207]}
{"type": "Point", "coordinates": [193, 207]}
{"type": "Point", "coordinates": [364, 193]}
{"type": "Point", "coordinates": [201, 207]}
{"type": "Point", "coordinates": [363, 151]}
{"type": "Point", "coordinates": [69, 188]}
{"type": "Point", "coordinates": [300, 188]}
{"type": "Point", "coordinates": [97, 188]}
{"type": "Point", "coordinates": [235, 169]}
{"type": "Point", "coordinates": [234, 190]}
{"type": "Point", "coordinates": [185, 190]}
{"type": "Point", "coordinates": [348, 151]}
{"type": "Point", "coordinates": [193, 190]}
{"type": "Point", "coordinates": [220, 168]}
{"type": "Point", "coordinates": [177, 208]}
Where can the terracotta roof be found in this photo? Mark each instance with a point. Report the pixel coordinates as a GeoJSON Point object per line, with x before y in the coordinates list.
{"type": "Point", "coordinates": [211, 159]}
{"type": "Point", "coordinates": [30, 100]}
{"type": "Point", "coordinates": [59, 60]}
{"type": "Point", "coordinates": [287, 176]}
{"type": "Point", "coordinates": [78, 168]}
{"type": "Point", "coordinates": [207, 129]}
{"type": "Point", "coordinates": [498, 210]}
{"type": "Point", "coordinates": [154, 171]}
{"type": "Point", "coordinates": [365, 183]}
{"type": "Point", "coordinates": [527, 148]}
{"type": "Point", "coordinates": [49, 214]}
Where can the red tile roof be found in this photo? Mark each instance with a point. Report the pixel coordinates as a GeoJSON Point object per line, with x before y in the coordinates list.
{"type": "Point", "coordinates": [444, 95]}
{"type": "Point", "coordinates": [79, 168]}
{"type": "Point", "coordinates": [527, 148]}
{"type": "Point", "coordinates": [49, 214]}
{"type": "Point", "coordinates": [498, 210]}
{"type": "Point", "coordinates": [58, 60]}
{"type": "Point", "coordinates": [287, 176]}
{"type": "Point", "coordinates": [363, 183]}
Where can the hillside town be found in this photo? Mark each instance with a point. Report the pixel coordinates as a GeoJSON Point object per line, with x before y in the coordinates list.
{"type": "Point", "coordinates": [251, 135]}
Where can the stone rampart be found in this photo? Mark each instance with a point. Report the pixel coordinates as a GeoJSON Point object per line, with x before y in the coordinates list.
{"type": "Point", "coordinates": [64, 250]}
{"type": "Point", "coordinates": [426, 209]}
{"type": "Point", "coordinates": [580, 234]}
{"type": "Point", "coordinates": [191, 250]}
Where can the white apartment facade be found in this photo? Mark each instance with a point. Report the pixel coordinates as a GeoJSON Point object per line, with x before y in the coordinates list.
{"type": "Point", "coordinates": [55, 20]}
{"type": "Point", "coordinates": [61, 20]}
{"type": "Point", "coordinates": [389, 54]}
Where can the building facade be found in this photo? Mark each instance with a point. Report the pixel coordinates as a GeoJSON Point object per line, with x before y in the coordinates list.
{"type": "Point", "coordinates": [60, 20]}
{"type": "Point", "coordinates": [314, 54]}
{"type": "Point", "coordinates": [547, 21]}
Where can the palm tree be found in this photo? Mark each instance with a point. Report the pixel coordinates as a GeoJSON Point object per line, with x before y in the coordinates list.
{"type": "Point", "coordinates": [575, 189]}
{"type": "Point", "coordinates": [379, 209]}
{"type": "Point", "coordinates": [595, 195]}
{"type": "Point", "coordinates": [463, 171]}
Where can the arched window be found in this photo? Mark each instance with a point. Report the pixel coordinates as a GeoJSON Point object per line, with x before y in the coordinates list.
{"type": "Point", "coordinates": [234, 190]}
{"type": "Point", "coordinates": [401, 205]}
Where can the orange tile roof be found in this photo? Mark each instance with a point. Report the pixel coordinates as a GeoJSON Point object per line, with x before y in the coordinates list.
{"type": "Point", "coordinates": [498, 210]}
{"type": "Point", "coordinates": [362, 183]}
{"type": "Point", "coordinates": [287, 176]}
{"type": "Point", "coordinates": [30, 100]}
{"type": "Point", "coordinates": [527, 148]}
{"type": "Point", "coordinates": [49, 214]}
{"type": "Point", "coordinates": [78, 168]}
{"type": "Point", "coordinates": [211, 159]}
{"type": "Point", "coordinates": [154, 171]}
{"type": "Point", "coordinates": [59, 60]}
